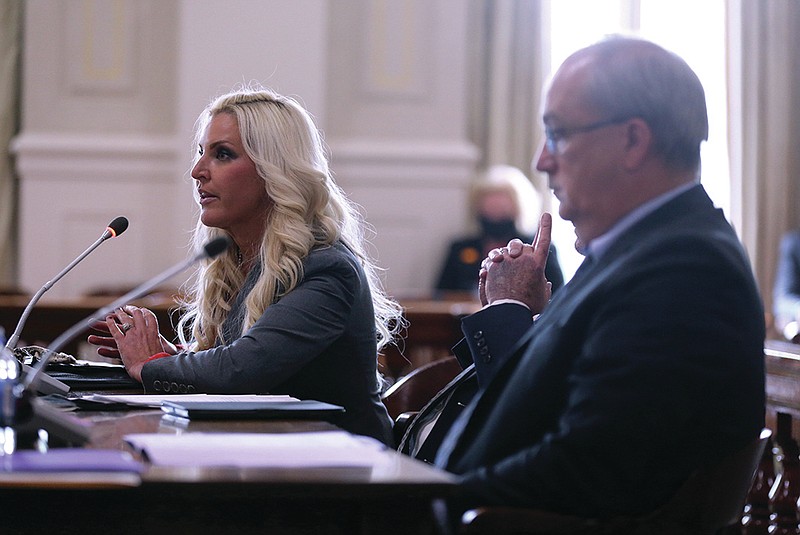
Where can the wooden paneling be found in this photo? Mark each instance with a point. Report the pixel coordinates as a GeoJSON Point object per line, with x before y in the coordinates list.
{"type": "Point", "coordinates": [48, 320]}
{"type": "Point", "coordinates": [434, 327]}
{"type": "Point", "coordinates": [782, 361]}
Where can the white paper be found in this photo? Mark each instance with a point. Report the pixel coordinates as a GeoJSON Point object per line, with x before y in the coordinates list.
{"type": "Point", "coordinates": [316, 449]}
{"type": "Point", "coordinates": [154, 400]}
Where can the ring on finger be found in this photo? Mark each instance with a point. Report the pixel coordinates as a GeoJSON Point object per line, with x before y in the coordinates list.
{"type": "Point", "coordinates": [125, 327]}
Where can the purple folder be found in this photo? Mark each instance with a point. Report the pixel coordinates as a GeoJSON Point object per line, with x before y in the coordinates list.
{"type": "Point", "coordinates": [70, 460]}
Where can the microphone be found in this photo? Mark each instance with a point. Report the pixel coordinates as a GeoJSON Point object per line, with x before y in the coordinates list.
{"type": "Point", "coordinates": [209, 250]}
{"type": "Point", "coordinates": [114, 229]}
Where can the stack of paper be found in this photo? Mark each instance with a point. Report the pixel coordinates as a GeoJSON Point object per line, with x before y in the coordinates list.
{"type": "Point", "coordinates": [318, 449]}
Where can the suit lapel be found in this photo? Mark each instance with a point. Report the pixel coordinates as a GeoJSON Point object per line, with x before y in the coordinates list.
{"type": "Point", "coordinates": [578, 280]}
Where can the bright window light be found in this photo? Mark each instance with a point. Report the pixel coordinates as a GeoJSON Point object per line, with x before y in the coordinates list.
{"type": "Point", "coordinates": [693, 30]}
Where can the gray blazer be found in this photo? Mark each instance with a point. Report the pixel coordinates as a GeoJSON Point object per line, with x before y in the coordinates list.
{"type": "Point", "coordinates": [316, 342]}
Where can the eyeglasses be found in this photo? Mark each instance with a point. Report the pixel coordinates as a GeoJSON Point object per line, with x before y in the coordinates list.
{"type": "Point", "coordinates": [554, 136]}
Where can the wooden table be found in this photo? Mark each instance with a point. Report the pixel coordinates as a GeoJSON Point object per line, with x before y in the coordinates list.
{"type": "Point", "coordinates": [394, 497]}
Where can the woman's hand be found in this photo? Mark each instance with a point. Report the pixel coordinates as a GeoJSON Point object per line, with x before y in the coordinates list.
{"type": "Point", "coordinates": [134, 338]}
{"type": "Point", "coordinates": [106, 346]}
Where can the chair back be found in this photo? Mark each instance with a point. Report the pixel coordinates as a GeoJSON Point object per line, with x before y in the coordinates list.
{"type": "Point", "coordinates": [711, 499]}
{"type": "Point", "coordinates": [714, 497]}
{"type": "Point", "coordinates": [413, 391]}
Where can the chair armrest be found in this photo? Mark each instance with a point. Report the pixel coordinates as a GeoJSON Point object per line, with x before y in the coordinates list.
{"type": "Point", "coordinates": [401, 425]}
{"type": "Point", "coordinates": [517, 520]}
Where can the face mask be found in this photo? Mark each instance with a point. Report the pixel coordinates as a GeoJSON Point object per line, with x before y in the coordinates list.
{"type": "Point", "coordinates": [503, 228]}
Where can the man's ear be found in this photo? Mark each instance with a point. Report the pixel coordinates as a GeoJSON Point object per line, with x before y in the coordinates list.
{"type": "Point", "coordinates": [639, 141]}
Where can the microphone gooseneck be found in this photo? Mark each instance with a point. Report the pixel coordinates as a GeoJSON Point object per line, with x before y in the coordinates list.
{"type": "Point", "coordinates": [209, 250]}
{"type": "Point", "coordinates": [114, 229]}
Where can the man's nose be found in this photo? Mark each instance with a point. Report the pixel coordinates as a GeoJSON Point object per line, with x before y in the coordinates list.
{"type": "Point", "coordinates": [545, 161]}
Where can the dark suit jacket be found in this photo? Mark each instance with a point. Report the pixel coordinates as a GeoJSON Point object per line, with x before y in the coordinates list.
{"type": "Point", "coordinates": [316, 342]}
{"type": "Point", "coordinates": [647, 365]}
{"type": "Point", "coordinates": [786, 293]}
{"type": "Point", "coordinates": [463, 262]}
{"type": "Point", "coordinates": [438, 415]}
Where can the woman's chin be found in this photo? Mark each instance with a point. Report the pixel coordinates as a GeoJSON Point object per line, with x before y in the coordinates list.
{"type": "Point", "coordinates": [209, 219]}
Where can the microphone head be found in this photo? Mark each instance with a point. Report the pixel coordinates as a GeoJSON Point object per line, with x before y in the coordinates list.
{"type": "Point", "coordinates": [118, 226]}
{"type": "Point", "coordinates": [216, 246]}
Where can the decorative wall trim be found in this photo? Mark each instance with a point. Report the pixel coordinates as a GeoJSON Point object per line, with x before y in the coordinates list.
{"type": "Point", "coordinates": [100, 45]}
{"type": "Point", "coordinates": [421, 163]}
{"type": "Point", "coordinates": [397, 37]}
{"type": "Point", "coordinates": [92, 157]}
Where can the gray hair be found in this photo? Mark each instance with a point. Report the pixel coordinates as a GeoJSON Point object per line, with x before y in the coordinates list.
{"type": "Point", "coordinates": [630, 77]}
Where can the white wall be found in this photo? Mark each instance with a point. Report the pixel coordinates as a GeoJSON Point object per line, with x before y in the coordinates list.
{"type": "Point", "coordinates": [397, 128]}
{"type": "Point", "coordinates": [111, 91]}
{"type": "Point", "coordinates": [97, 139]}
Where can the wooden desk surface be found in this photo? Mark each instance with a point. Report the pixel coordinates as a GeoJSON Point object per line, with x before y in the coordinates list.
{"type": "Point", "coordinates": [393, 497]}
{"type": "Point", "coordinates": [109, 429]}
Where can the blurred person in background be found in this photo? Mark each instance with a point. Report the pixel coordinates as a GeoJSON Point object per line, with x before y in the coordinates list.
{"type": "Point", "coordinates": [505, 205]}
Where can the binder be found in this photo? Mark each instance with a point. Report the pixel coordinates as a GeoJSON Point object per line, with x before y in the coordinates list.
{"type": "Point", "coordinates": [252, 410]}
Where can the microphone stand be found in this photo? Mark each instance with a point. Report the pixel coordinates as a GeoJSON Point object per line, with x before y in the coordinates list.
{"type": "Point", "coordinates": [21, 391]}
{"type": "Point", "coordinates": [115, 228]}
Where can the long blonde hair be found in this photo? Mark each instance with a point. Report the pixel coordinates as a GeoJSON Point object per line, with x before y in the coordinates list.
{"type": "Point", "coordinates": [308, 209]}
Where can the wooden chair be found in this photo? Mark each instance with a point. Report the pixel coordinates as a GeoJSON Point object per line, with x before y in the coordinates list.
{"type": "Point", "coordinates": [712, 499]}
{"type": "Point", "coordinates": [413, 391]}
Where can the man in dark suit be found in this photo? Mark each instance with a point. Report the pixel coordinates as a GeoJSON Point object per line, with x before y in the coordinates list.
{"type": "Point", "coordinates": [648, 364]}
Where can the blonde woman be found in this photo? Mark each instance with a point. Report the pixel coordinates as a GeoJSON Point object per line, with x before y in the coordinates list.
{"type": "Point", "coordinates": [295, 307]}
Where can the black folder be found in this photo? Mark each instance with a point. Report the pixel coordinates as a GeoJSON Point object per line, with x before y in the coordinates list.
{"type": "Point", "coordinates": [91, 377]}
{"type": "Point", "coordinates": [252, 410]}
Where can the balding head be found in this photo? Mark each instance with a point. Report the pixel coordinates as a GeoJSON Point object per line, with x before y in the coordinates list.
{"type": "Point", "coordinates": [628, 77]}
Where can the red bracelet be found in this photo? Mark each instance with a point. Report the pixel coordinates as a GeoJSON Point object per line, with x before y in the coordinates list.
{"type": "Point", "coordinates": [158, 356]}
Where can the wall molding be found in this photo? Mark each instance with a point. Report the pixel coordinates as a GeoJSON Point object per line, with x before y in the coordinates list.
{"type": "Point", "coordinates": [67, 156]}
{"type": "Point", "coordinates": [381, 163]}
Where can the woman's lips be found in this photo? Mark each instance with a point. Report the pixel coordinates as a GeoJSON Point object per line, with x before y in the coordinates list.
{"type": "Point", "coordinates": [206, 198]}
